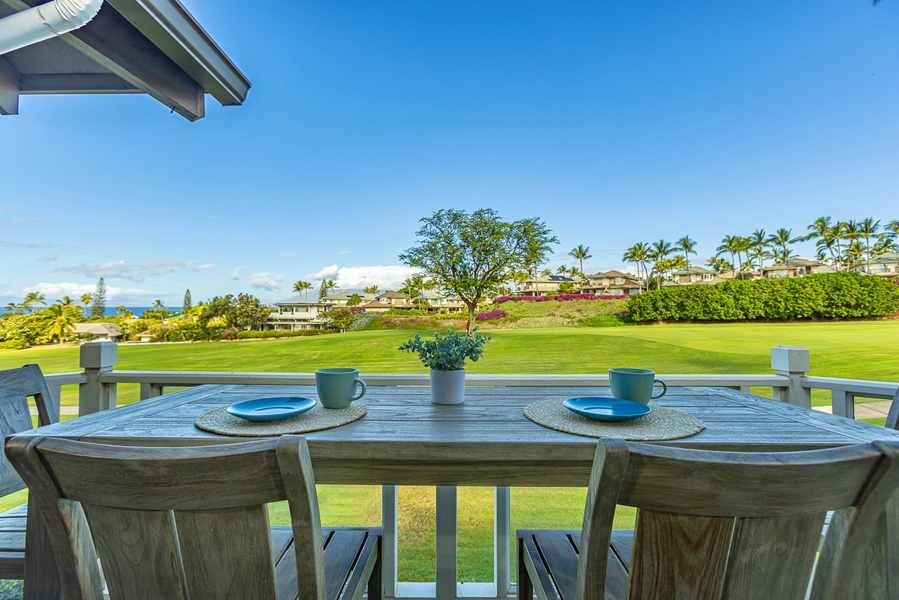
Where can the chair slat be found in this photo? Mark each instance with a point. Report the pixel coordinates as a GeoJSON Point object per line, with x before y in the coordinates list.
{"type": "Point", "coordinates": [190, 522]}
{"type": "Point", "coordinates": [286, 574]}
{"type": "Point", "coordinates": [340, 554]}
{"type": "Point", "coordinates": [679, 556]}
{"type": "Point", "coordinates": [536, 570]}
{"type": "Point", "coordinates": [615, 587]}
{"type": "Point", "coordinates": [892, 420]}
{"type": "Point", "coordinates": [773, 558]}
{"type": "Point", "coordinates": [16, 387]}
{"type": "Point", "coordinates": [138, 552]}
{"type": "Point", "coordinates": [227, 553]}
{"type": "Point", "coordinates": [14, 418]}
{"type": "Point", "coordinates": [365, 564]}
{"type": "Point", "coordinates": [623, 546]}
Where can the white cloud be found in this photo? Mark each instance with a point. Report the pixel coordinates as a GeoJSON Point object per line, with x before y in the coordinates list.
{"type": "Point", "coordinates": [389, 277]}
{"type": "Point", "coordinates": [326, 273]}
{"type": "Point", "coordinates": [345, 251]}
{"type": "Point", "coordinates": [54, 291]}
{"type": "Point", "coordinates": [135, 271]}
{"type": "Point", "coordinates": [235, 273]}
{"type": "Point", "coordinates": [50, 257]}
{"type": "Point", "coordinates": [205, 267]}
{"type": "Point", "coordinates": [266, 281]}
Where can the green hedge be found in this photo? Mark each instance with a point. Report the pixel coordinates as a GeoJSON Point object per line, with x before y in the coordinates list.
{"type": "Point", "coordinates": [826, 296]}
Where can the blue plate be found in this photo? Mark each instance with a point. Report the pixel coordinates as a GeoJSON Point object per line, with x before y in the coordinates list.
{"type": "Point", "coordinates": [606, 409]}
{"type": "Point", "coordinates": [271, 409]}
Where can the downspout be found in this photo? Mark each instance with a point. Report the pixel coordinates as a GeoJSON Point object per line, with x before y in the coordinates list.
{"type": "Point", "coordinates": [43, 22]}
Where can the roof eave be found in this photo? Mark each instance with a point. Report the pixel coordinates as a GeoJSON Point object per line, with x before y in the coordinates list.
{"type": "Point", "coordinates": [175, 31]}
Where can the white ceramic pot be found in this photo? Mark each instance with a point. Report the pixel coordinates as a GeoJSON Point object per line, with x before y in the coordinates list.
{"type": "Point", "coordinates": [447, 387]}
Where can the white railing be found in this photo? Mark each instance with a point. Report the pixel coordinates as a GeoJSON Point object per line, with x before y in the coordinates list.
{"type": "Point", "coordinates": [789, 383]}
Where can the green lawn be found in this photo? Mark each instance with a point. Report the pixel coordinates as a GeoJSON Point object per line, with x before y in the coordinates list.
{"type": "Point", "coordinates": [862, 350]}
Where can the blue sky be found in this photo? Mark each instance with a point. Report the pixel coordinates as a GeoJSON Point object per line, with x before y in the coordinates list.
{"type": "Point", "coordinates": [613, 122]}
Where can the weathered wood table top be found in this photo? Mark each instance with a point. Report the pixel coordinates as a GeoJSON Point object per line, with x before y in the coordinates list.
{"type": "Point", "coordinates": [404, 439]}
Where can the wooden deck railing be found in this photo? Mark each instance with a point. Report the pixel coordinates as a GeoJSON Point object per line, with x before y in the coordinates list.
{"type": "Point", "coordinates": [788, 383]}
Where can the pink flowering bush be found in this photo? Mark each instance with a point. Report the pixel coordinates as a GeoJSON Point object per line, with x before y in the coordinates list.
{"type": "Point", "coordinates": [559, 297]}
{"type": "Point", "coordinates": [491, 315]}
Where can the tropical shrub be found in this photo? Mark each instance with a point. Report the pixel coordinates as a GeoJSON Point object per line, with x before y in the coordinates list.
{"type": "Point", "coordinates": [404, 312]}
{"type": "Point", "coordinates": [824, 296]}
{"type": "Point", "coordinates": [560, 297]}
{"type": "Point", "coordinates": [362, 320]}
{"type": "Point", "coordinates": [491, 315]}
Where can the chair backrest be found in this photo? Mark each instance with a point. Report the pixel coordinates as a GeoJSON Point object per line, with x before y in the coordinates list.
{"type": "Point", "coordinates": [892, 421]}
{"type": "Point", "coordinates": [16, 386]}
{"type": "Point", "coordinates": [736, 525]}
{"type": "Point", "coordinates": [174, 522]}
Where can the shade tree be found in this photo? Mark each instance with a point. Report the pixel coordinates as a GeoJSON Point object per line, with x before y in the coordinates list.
{"type": "Point", "coordinates": [469, 254]}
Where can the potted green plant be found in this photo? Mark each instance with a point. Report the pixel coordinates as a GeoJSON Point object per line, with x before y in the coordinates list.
{"type": "Point", "coordinates": [445, 355]}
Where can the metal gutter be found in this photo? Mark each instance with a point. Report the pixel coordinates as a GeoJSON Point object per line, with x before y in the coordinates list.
{"type": "Point", "coordinates": [178, 34]}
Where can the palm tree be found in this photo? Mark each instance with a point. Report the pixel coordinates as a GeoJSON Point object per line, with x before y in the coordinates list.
{"type": "Point", "coordinates": [86, 299]}
{"type": "Point", "coordinates": [850, 231]}
{"type": "Point", "coordinates": [780, 240]}
{"type": "Point", "coordinates": [868, 229]}
{"type": "Point", "coordinates": [886, 244]}
{"type": "Point", "coordinates": [658, 252]}
{"type": "Point", "coordinates": [731, 244]}
{"type": "Point", "coordinates": [373, 290]}
{"type": "Point", "coordinates": [58, 320]}
{"type": "Point", "coordinates": [581, 253]}
{"type": "Point", "coordinates": [638, 254]}
{"type": "Point", "coordinates": [893, 226]}
{"type": "Point", "coordinates": [301, 287]}
{"type": "Point", "coordinates": [758, 244]}
{"type": "Point", "coordinates": [69, 304]}
{"type": "Point", "coordinates": [687, 246]}
{"type": "Point", "coordinates": [823, 229]}
{"type": "Point", "coordinates": [719, 265]}
{"type": "Point", "coordinates": [854, 252]}
{"type": "Point", "coordinates": [32, 299]}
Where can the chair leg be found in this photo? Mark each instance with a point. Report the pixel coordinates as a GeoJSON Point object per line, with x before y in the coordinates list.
{"type": "Point", "coordinates": [525, 590]}
{"type": "Point", "coordinates": [374, 581]}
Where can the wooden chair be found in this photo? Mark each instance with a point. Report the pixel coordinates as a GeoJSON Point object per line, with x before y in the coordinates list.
{"type": "Point", "coordinates": [892, 421]}
{"type": "Point", "coordinates": [715, 525]}
{"type": "Point", "coordinates": [16, 386]}
{"type": "Point", "coordinates": [192, 522]}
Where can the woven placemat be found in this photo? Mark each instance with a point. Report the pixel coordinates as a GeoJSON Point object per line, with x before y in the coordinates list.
{"type": "Point", "coordinates": [659, 424]}
{"type": "Point", "coordinates": [318, 418]}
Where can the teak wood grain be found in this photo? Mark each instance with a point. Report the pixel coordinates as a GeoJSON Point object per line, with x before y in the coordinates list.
{"type": "Point", "coordinates": [191, 522]}
{"type": "Point", "coordinates": [16, 387]}
{"type": "Point", "coordinates": [718, 525]}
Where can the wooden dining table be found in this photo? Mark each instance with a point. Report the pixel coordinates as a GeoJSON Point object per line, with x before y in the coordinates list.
{"type": "Point", "coordinates": [404, 439]}
{"type": "Point", "coordinates": [486, 441]}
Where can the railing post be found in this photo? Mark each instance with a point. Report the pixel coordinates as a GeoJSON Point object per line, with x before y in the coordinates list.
{"type": "Point", "coordinates": [793, 362]}
{"type": "Point", "coordinates": [97, 358]}
{"type": "Point", "coordinates": [447, 540]}
{"type": "Point", "coordinates": [502, 532]}
{"type": "Point", "coordinates": [389, 521]}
